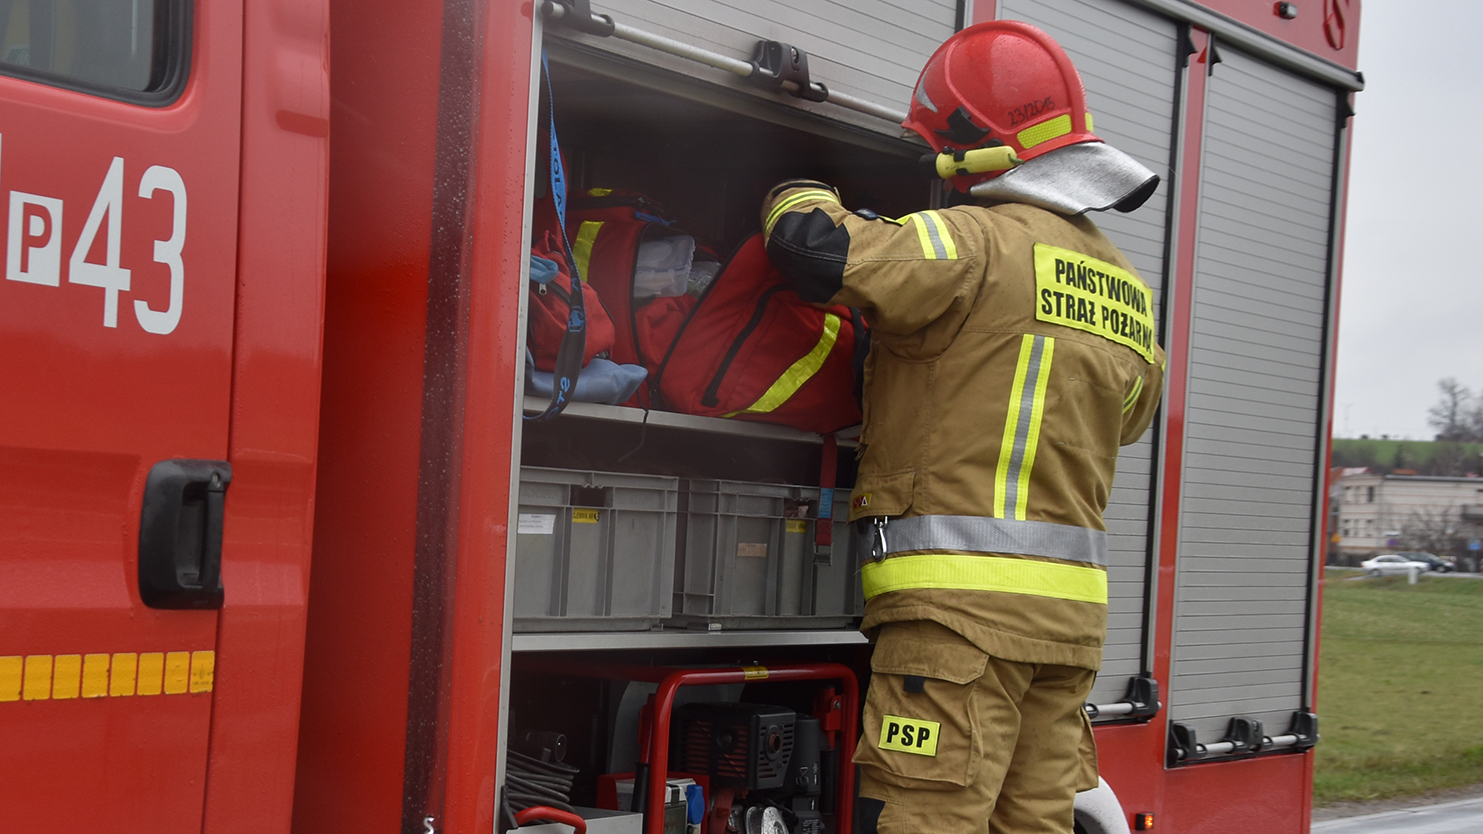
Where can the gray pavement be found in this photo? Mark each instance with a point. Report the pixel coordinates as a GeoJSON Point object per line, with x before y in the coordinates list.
{"type": "Point", "coordinates": [1464, 816]}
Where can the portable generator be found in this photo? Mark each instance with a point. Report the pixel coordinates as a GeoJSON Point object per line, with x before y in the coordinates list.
{"type": "Point", "coordinates": [743, 746]}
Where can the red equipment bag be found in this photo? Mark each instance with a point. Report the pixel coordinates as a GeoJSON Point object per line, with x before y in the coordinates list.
{"type": "Point", "coordinates": [606, 227]}
{"type": "Point", "coordinates": [550, 302]}
{"type": "Point", "coordinates": [751, 349]}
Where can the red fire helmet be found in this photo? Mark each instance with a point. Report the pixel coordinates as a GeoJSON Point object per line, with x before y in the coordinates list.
{"type": "Point", "coordinates": [1001, 82]}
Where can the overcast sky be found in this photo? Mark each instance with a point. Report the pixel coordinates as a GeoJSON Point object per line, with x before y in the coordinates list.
{"type": "Point", "coordinates": [1412, 298]}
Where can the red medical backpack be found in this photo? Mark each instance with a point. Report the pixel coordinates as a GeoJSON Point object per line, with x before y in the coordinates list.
{"type": "Point", "coordinates": [550, 303]}
{"type": "Point", "coordinates": [751, 349]}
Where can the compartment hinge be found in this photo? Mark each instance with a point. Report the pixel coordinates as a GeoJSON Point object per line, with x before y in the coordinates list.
{"type": "Point", "coordinates": [775, 63]}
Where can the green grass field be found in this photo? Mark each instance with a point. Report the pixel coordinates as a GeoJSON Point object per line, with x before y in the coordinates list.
{"type": "Point", "coordinates": [1400, 687]}
{"type": "Point", "coordinates": [1387, 454]}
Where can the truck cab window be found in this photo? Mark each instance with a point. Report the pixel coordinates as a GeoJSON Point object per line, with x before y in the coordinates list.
{"type": "Point", "coordinates": [112, 47]}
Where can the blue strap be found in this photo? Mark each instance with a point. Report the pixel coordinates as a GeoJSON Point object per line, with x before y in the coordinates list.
{"type": "Point", "coordinates": [574, 343]}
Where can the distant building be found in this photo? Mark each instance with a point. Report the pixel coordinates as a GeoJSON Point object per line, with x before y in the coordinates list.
{"type": "Point", "coordinates": [1382, 513]}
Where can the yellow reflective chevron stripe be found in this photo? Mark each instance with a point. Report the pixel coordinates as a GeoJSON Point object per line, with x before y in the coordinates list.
{"type": "Point", "coordinates": [43, 677]}
{"type": "Point", "coordinates": [1132, 398]}
{"type": "Point", "coordinates": [965, 572]}
{"type": "Point", "coordinates": [932, 232]}
{"type": "Point", "coordinates": [1022, 426]}
{"type": "Point", "coordinates": [582, 246]}
{"type": "Point", "coordinates": [800, 197]}
{"type": "Point", "coordinates": [798, 373]}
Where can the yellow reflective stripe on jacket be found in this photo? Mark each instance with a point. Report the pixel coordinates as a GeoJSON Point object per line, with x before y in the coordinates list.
{"type": "Point", "coordinates": [798, 373]}
{"type": "Point", "coordinates": [801, 197]}
{"type": "Point", "coordinates": [1022, 426]}
{"type": "Point", "coordinates": [582, 246]}
{"type": "Point", "coordinates": [1132, 398]}
{"type": "Point", "coordinates": [932, 232]}
{"type": "Point", "coordinates": [964, 572]}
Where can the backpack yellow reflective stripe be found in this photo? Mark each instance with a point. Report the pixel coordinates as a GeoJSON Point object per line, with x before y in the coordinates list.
{"type": "Point", "coordinates": [582, 246]}
{"type": "Point", "coordinates": [798, 373]}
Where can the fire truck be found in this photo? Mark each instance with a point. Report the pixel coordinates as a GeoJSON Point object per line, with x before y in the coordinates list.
{"type": "Point", "coordinates": [278, 550]}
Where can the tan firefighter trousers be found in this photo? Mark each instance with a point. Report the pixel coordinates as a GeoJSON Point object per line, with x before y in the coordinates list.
{"type": "Point", "coordinates": [953, 738]}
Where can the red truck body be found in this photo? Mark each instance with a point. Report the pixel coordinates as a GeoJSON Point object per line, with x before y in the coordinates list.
{"type": "Point", "coordinates": [311, 268]}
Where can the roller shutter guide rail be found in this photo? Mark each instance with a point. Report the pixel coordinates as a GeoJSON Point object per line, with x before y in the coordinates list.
{"type": "Point", "coordinates": [559, 11]}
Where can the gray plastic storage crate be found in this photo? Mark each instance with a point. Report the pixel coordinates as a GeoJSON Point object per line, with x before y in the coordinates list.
{"type": "Point", "coordinates": [836, 585]}
{"type": "Point", "coordinates": [749, 559]}
{"type": "Point", "coordinates": [594, 551]}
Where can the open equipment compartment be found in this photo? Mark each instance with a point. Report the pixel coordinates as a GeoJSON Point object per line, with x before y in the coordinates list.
{"type": "Point", "coordinates": [707, 154]}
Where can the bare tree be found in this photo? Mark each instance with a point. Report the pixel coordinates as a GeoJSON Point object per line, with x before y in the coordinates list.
{"type": "Point", "coordinates": [1442, 532]}
{"type": "Point", "coordinates": [1473, 420]}
{"type": "Point", "coordinates": [1451, 416]}
{"type": "Point", "coordinates": [1451, 459]}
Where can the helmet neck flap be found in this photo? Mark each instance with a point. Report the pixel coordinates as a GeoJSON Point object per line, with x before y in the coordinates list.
{"type": "Point", "coordinates": [1092, 176]}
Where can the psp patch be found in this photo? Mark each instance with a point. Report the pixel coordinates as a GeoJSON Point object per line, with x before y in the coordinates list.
{"type": "Point", "coordinates": [1079, 291]}
{"type": "Point", "coordinates": [909, 735]}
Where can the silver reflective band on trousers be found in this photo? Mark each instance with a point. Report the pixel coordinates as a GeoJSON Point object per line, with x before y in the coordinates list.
{"type": "Point", "coordinates": [980, 534]}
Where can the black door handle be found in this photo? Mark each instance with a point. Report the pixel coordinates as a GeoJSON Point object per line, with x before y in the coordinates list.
{"type": "Point", "coordinates": [180, 531]}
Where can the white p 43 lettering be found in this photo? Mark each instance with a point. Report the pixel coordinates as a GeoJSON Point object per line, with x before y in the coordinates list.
{"type": "Point", "coordinates": [33, 252]}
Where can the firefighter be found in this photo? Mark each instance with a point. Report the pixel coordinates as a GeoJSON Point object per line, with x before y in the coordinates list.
{"type": "Point", "coordinates": [1013, 353]}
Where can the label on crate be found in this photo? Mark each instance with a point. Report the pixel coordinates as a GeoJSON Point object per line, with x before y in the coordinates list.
{"type": "Point", "coordinates": [584, 516]}
{"type": "Point", "coordinates": [536, 524]}
{"type": "Point", "coordinates": [751, 550]}
{"type": "Point", "coordinates": [797, 525]}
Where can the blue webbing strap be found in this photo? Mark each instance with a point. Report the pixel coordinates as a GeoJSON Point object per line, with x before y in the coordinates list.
{"type": "Point", "coordinates": [574, 343]}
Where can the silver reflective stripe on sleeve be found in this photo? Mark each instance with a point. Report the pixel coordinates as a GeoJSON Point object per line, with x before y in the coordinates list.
{"type": "Point", "coordinates": [981, 534]}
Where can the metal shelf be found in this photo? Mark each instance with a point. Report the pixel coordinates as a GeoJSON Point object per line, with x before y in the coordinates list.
{"type": "Point", "coordinates": [610, 640]}
{"type": "Point", "coordinates": [688, 422]}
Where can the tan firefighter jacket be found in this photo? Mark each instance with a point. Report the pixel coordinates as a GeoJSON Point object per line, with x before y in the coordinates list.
{"type": "Point", "coordinates": [1012, 354]}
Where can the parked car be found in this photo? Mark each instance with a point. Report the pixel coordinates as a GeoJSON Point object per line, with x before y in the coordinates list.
{"type": "Point", "coordinates": [1439, 564]}
{"type": "Point", "coordinates": [1395, 563]}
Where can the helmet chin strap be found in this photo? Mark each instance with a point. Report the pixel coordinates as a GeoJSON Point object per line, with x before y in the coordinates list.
{"type": "Point", "coordinates": [1090, 176]}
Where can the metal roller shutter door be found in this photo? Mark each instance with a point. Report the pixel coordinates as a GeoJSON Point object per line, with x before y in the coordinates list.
{"type": "Point", "coordinates": [1242, 586]}
{"type": "Point", "coordinates": [1128, 60]}
{"type": "Point", "coordinates": [871, 49]}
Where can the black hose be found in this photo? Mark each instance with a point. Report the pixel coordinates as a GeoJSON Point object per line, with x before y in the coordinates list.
{"type": "Point", "coordinates": [530, 782]}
